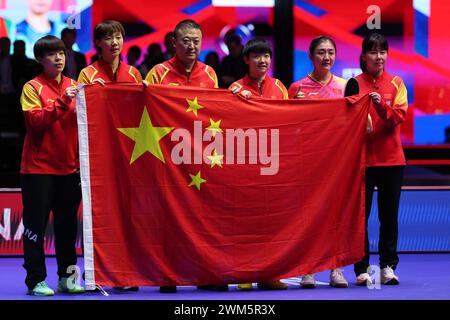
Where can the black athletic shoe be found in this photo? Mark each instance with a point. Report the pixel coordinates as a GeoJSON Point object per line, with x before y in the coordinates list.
{"type": "Point", "coordinates": [168, 289]}
{"type": "Point", "coordinates": [214, 287]}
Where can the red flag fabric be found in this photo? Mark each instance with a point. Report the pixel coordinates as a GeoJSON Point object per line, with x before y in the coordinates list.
{"type": "Point", "coordinates": [190, 186]}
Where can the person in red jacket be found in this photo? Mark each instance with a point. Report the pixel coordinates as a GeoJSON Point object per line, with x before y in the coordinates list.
{"type": "Point", "coordinates": [257, 55]}
{"type": "Point", "coordinates": [108, 39]}
{"type": "Point", "coordinates": [384, 154]}
{"type": "Point", "coordinates": [50, 178]}
{"type": "Point", "coordinates": [184, 69]}
{"type": "Point", "coordinates": [321, 83]}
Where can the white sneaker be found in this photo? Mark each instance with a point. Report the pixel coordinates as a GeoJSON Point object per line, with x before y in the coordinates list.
{"type": "Point", "coordinates": [337, 279]}
{"type": "Point", "coordinates": [308, 281]}
{"type": "Point", "coordinates": [388, 277]}
{"type": "Point", "coordinates": [363, 279]}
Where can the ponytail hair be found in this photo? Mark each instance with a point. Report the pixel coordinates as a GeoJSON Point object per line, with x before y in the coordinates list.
{"type": "Point", "coordinates": [370, 42]}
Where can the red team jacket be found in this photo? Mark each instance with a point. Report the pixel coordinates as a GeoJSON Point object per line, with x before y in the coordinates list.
{"type": "Point", "coordinates": [51, 142]}
{"type": "Point", "coordinates": [100, 69]}
{"type": "Point", "coordinates": [384, 146]}
{"type": "Point", "coordinates": [271, 88]}
{"type": "Point", "coordinates": [172, 72]}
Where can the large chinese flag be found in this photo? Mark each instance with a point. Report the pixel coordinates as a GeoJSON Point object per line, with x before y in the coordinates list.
{"type": "Point", "coordinates": [187, 186]}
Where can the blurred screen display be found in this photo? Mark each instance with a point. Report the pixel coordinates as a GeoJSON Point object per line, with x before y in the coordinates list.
{"type": "Point", "coordinates": [29, 20]}
{"type": "Point", "coordinates": [419, 51]}
{"type": "Point", "coordinates": [416, 30]}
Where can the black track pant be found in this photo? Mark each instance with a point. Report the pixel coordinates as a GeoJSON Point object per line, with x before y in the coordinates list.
{"type": "Point", "coordinates": [388, 181]}
{"type": "Point", "coordinates": [41, 194]}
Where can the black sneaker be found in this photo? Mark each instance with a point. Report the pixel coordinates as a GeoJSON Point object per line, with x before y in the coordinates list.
{"type": "Point", "coordinates": [214, 287]}
{"type": "Point", "coordinates": [168, 289]}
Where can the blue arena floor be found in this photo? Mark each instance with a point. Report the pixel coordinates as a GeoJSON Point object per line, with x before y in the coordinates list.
{"type": "Point", "coordinates": [422, 277]}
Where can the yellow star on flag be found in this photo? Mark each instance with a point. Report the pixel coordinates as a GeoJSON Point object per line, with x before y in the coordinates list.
{"type": "Point", "coordinates": [196, 180]}
{"type": "Point", "coordinates": [193, 106]}
{"type": "Point", "coordinates": [214, 127]}
{"type": "Point", "coordinates": [215, 159]}
{"type": "Point", "coordinates": [146, 137]}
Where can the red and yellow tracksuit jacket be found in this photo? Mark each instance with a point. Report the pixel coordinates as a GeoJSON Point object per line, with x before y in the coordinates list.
{"type": "Point", "coordinates": [101, 69]}
{"type": "Point", "coordinates": [172, 72]}
{"type": "Point", "coordinates": [271, 88]}
{"type": "Point", "coordinates": [384, 146]}
{"type": "Point", "coordinates": [51, 142]}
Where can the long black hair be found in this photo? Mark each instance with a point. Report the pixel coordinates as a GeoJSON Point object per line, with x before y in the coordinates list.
{"type": "Point", "coordinates": [370, 42]}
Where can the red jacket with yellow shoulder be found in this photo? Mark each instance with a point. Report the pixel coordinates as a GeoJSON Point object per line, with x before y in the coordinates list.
{"type": "Point", "coordinates": [101, 69]}
{"type": "Point", "coordinates": [172, 72]}
{"type": "Point", "coordinates": [51, 142]}
{"type": "Point", "coordinates": [271, 88]}
{"type": "Point", "coordinates": [384, 145]}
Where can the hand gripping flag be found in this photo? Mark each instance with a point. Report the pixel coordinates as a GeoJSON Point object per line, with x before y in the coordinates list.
{"type": "Point", "coordinates": [188, 186]}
